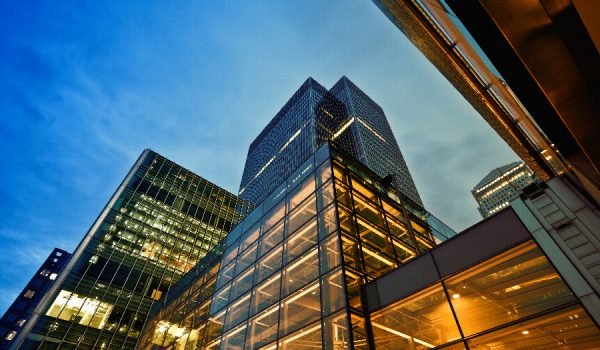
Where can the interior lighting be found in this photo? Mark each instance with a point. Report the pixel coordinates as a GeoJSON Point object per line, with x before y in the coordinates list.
{"type": "Point", "coordinates": [525, 332]}
{"type": "Point", "coordinates": [455, 296]}
{"type": "Point", "coordinates": [405, 336]}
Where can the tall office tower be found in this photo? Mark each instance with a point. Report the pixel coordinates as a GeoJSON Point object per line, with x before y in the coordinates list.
{"type": "Point", "coordinates": [159, 223]}
{"type": "Point", "coordinates": [374, 143]}
{"type": "Point", "coordinates": [289, 276]}
{"type": "Point", "coordinates": [334, 260]}
{"type": "Point", "coordinates": [501, 185]}
{"type": "Point", "coordinates": [283, 145]}
{"type": "Point", "coordinates": [22, 308]}
{"type": "Point", "coordinates": [313, 115]}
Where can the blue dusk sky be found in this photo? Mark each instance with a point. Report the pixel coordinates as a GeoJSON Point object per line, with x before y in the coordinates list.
{"type": "Point", "coordinates": [85, 86]}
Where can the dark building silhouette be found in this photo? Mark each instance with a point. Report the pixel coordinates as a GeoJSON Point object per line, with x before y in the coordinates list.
{"type": "Point", "coordinates": [22, 308]}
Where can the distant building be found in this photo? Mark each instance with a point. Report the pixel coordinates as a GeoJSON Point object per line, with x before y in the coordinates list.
{"type": "Point", "coordinates": [314, 115]}
{"type": "Point", "coordinates": [500, 186]}
{"type": "Point", "coordinates": [22, 308]}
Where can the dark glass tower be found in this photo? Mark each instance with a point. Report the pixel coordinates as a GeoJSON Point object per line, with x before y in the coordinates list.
{"type": "Point", "coordinates": [19, 313]}
{"type": "Point", "coordinates": [373, 142]}
{"type": "Point", "coordinates": [344, 115]}
{"type": "Point", "coordinates": [159, 223]}
{"type": "Point", "coordinates": [287, 141]}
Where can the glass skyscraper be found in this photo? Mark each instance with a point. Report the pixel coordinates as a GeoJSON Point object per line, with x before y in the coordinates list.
{"type": "Point", "coordinates": [314, 115]}
{"type": "Point", "coordinates": [333, 259]}
{"type": "Point", "coordinates": [290, 275]}
{"type": "Point", "coordinates": [159, 223]}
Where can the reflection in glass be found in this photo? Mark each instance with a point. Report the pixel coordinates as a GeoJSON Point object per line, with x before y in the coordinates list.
{"type": "Point", "coordinates": [324, 196]}
{"type": "Point", "coordinates": [215, 325]}
{"type": "Point", "coordinates": [85, 311]}
{"type": "Point", "coordinates": [323, 173]}
{"type": "Point", "coordinates": [242, 283]}
{"type": "Point", "coordinates": [246, 258]}
{"type": "Point", "coordinates": [237, 311]}
{"type": "Point", "coordinates": [302, 191]}
{"type": "Point", "coordinates": [273, 216]}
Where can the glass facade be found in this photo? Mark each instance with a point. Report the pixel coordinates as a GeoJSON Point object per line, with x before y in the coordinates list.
{"type": "Point", "coordinates": [311, 118]}
{"type": "Point", "coordinates": [158, 225]}
{"type": "Point", "coordinates": [368, 128]}
{"type": "Point", "coordinates": [515, 300]}
{"type": "Point", "coordinates": [289, 275]}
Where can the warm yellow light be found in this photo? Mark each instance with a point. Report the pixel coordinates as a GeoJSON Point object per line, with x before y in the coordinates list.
{"type": "Point", "coordinates": [525, 332]}
{"type": "Point", "coordinates": [455, 296]}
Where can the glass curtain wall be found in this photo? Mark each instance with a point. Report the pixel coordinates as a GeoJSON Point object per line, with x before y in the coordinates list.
{"type": "Point", "coordinates": [160, 226]}
{"type": "Point", "coordinates": [515, 300]}
{"type": "Point", "coordinates": [290, 273]}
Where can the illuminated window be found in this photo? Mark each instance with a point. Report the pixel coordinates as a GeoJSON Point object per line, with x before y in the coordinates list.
{"type": "Point", "coordinates": [300, 309]}
{"type": "Point", "coordinates": [510, 286]}
{"type": "Point", "coordinates": [263, 328]}
{"type": "Point", "coordinates": [10, 335]}
{"type": "Point", "coordinates": [234, 340]}
{"type": "Point", "coordinates": [85, 311]}
{"type": "Point", "coordinates": [307, 338]}
{"type": "Point", "coordinates": [336, 335]}
{"type": "Point", "coordinates": [565, 329]}
{"type": "Point", "coordinates": [52, 276]}
{"type": "Point", "coordinates": [300, 241]}
{"type": "Point", "coordinates": [29, 293]}
{"type": "Point", "coordinates": [423, 320]}
{"type": "Point", "coordinates": [21, 322]}
{"type": "Point", "coordinates": [301, 271]}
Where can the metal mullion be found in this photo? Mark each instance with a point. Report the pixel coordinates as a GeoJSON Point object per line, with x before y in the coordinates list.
{"type": "Point", "coordinates": [112, 334]}
{"type": "Point", "coordinates": [80, 279]}
{"type": "Point", "coordinates": [342, 262]}
{"type": "Point", "coordinates": [172, 209]}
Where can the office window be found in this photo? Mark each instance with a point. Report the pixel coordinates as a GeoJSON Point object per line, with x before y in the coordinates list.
{"type": "Point", "coordinates": [10, 335]}
{"type": "Point", "coordinates": [299, 309]}
{"type": "Point", "coordinates": [510, 286]}
{"type": "Point", "coordinates": [423, 320]}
